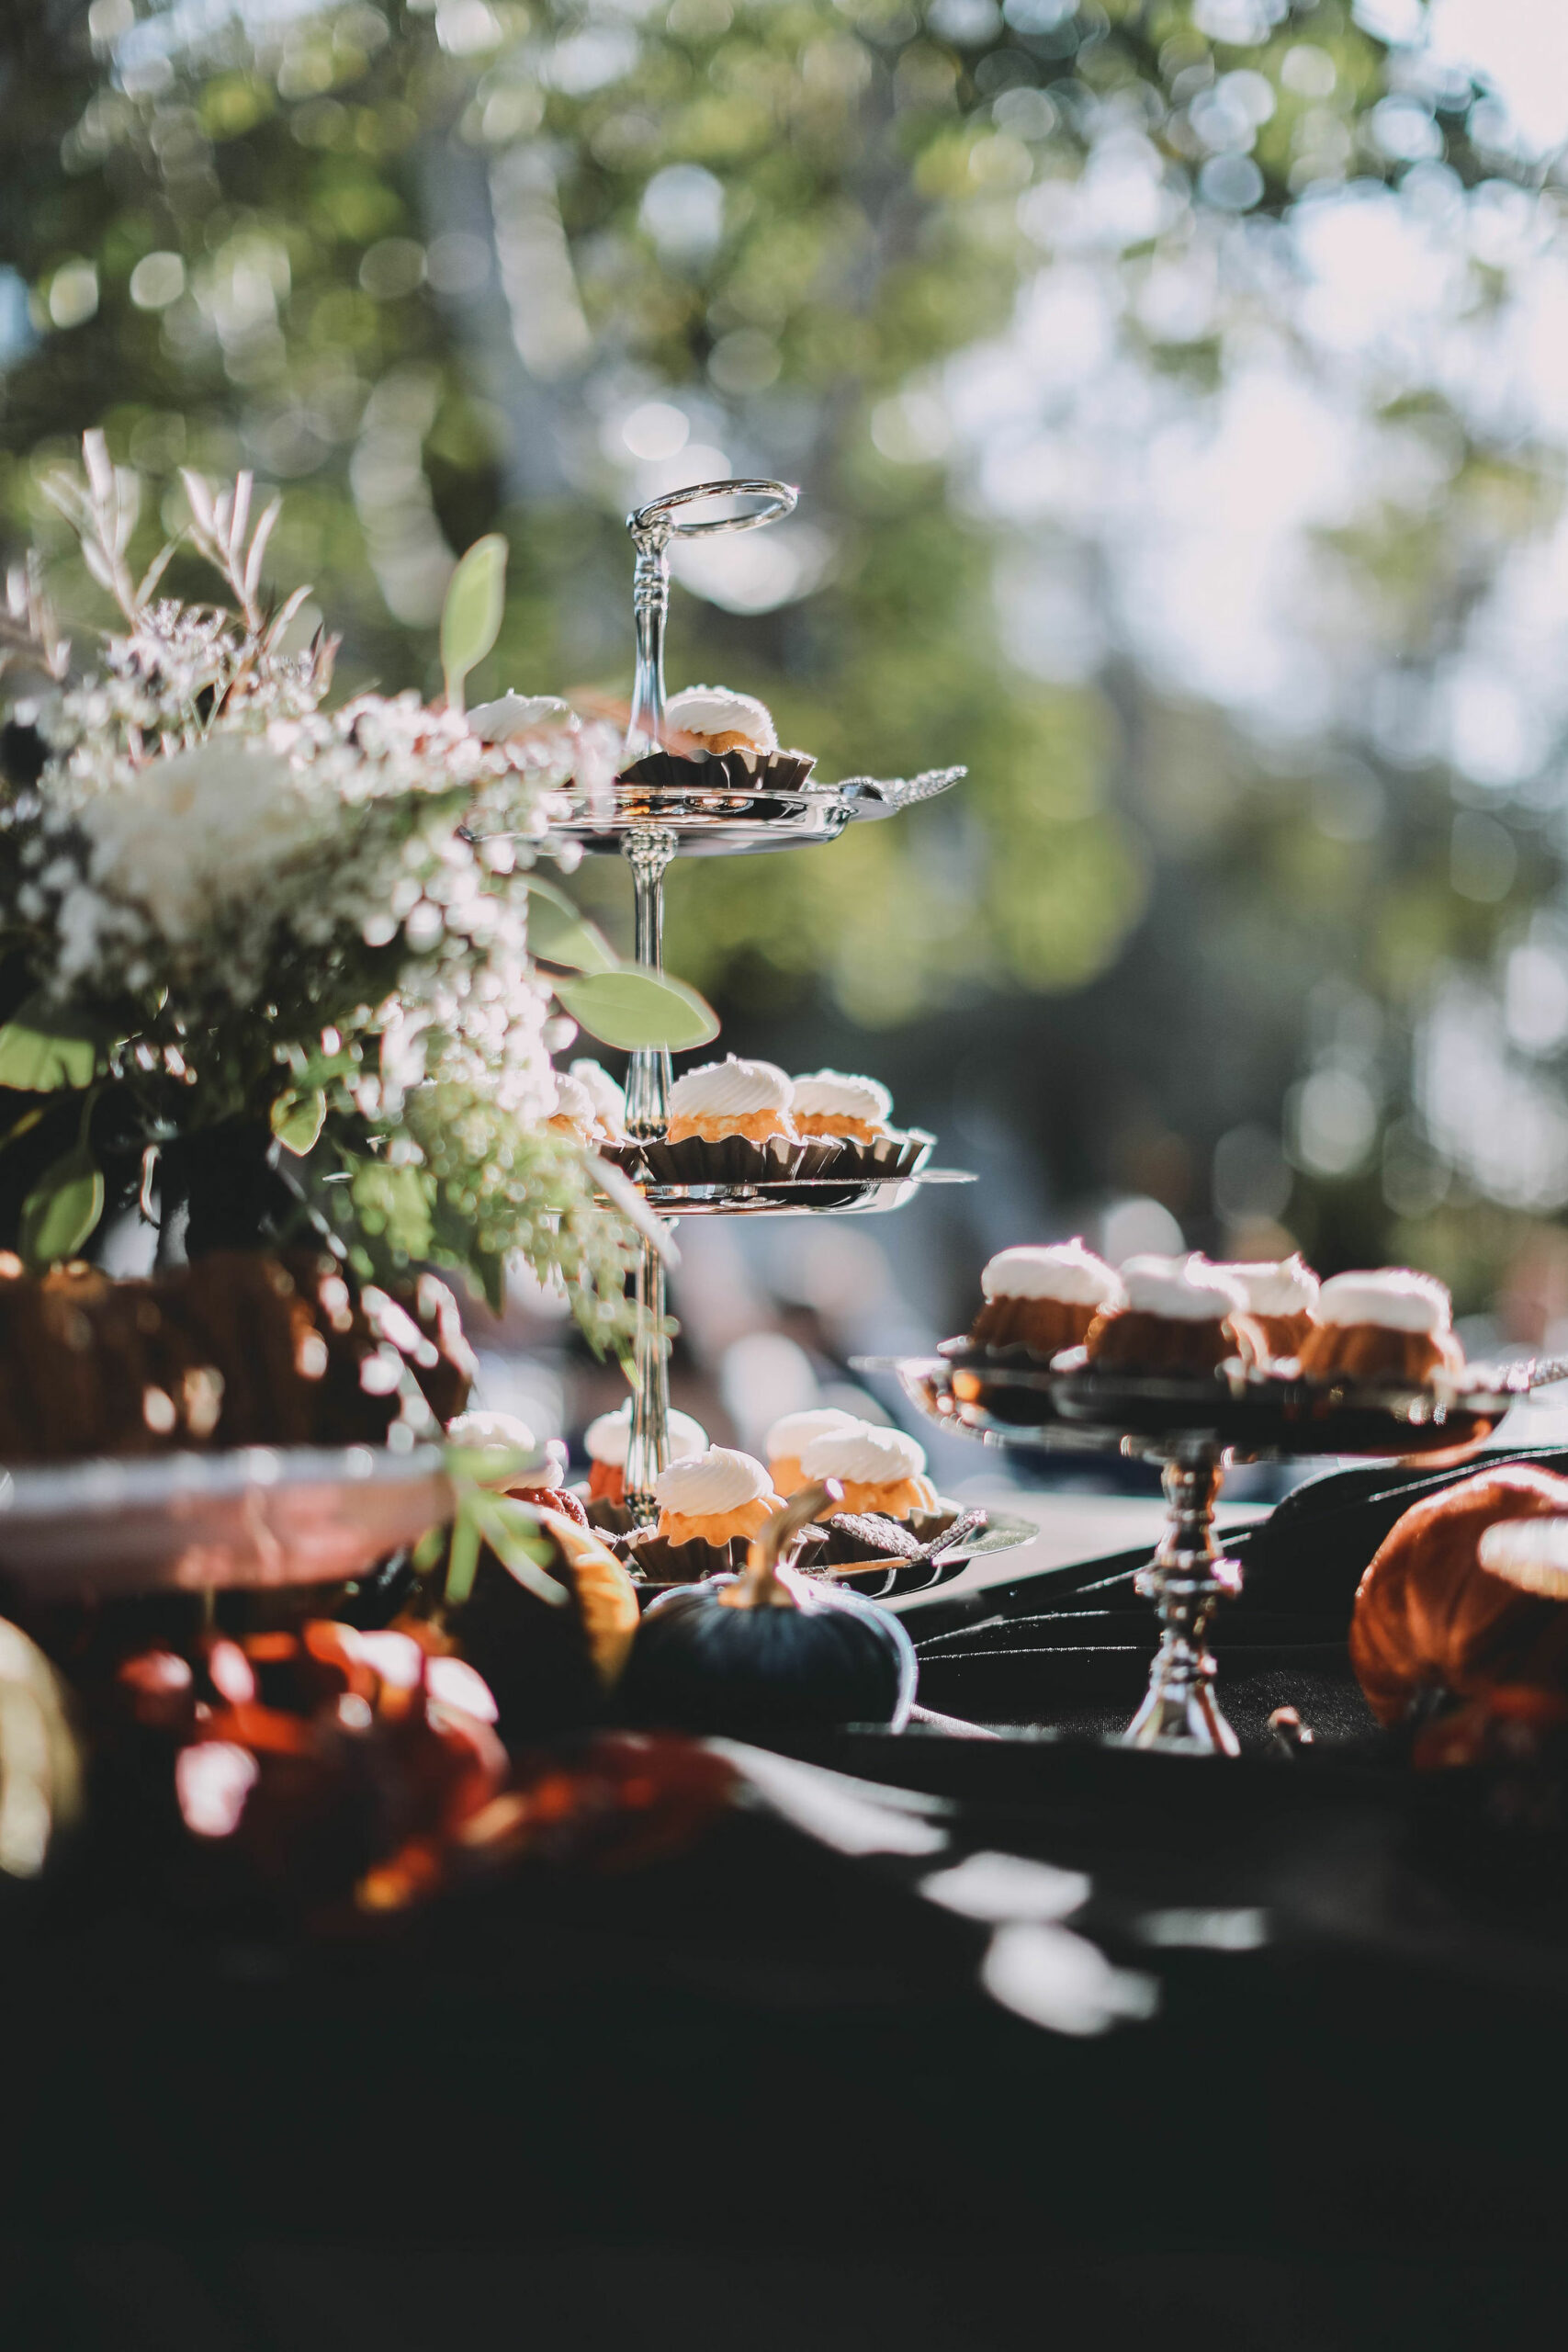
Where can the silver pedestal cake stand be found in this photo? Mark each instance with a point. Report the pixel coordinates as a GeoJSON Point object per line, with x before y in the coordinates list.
{"type": "Point", "coordinates": [1194, 1428]}
{"type": "Point", "coordinates": [665, 805]}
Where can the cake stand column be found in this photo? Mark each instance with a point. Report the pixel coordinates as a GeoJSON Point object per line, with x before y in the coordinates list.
{"type": "Point", "coordinates": [647, 1447]}
{"type": "Point", "coordinates": [1186, 1576]}
{"type": "Point", "coordinates": [647, 852]}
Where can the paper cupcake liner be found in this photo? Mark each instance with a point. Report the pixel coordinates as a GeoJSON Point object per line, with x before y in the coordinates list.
{"type": "Point", "coordinates": [661, 1562]}
{"type": "Point", "coordinates": [892, 1155]}
{"type": "Point", "coordinates": [833, 1547]}
{"type": "Point", "coordinates": [719, 771]}
{"type": "Point", "coordinates": [610, 1518]}
{"type": "Point", "coordinates": [734, 1160]}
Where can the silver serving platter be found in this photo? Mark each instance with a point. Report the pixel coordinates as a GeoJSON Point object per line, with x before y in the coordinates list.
{"type": "Point", "coordinates": [1010, 1398]}
{"type": "Point", "coordinates": [195, 1523]}
{"type": "Point", "coordinates": [892, 1579]}
{"type": "Point", "coordinates": [810, 1196]}
{"type": "Point", "coordinates": [721, 817]}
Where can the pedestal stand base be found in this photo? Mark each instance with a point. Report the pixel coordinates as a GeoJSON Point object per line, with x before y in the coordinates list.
{"type": "Point", "coordinates": [1185, 1578]}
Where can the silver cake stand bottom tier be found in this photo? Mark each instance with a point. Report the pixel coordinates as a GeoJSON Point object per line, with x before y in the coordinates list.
{"type": "Point", "coordinates": [1193, 1428]}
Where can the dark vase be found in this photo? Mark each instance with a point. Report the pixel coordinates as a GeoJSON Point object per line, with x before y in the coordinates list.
{"type": "Point", "coordinates": [223, 1188]}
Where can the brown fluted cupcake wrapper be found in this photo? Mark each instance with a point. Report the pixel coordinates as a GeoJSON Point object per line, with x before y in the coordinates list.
{"type": "Point", "coordinates": [608, 1517]}
{"type": "Point", "coordinates": [720, 771]}
{"type": "Point", "coordinates": [896, 1154]}
{"type": "Point", "coordinates": [661, 1562]}
{"type": "Point", "coordinates": [734, 1160]}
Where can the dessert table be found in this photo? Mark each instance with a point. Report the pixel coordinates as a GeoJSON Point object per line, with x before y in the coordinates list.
{"type": "Point", "coordinates": [944, 1995]}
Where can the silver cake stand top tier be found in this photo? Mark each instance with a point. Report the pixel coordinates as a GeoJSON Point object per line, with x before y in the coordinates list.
{"type": "Point", "coordinates": [725, 806]}
{"type": "Point", "coordinates": [668, 802]}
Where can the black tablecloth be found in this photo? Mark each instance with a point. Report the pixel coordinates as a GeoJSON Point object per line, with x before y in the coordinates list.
{"type": "Point", "coordinates": [759, 2089]}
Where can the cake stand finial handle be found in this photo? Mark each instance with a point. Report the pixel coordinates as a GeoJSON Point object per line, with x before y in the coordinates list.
{"type": "Point", "coordinates": [650, 607]}
{"type": "Point", "coordinates": [652, 528]}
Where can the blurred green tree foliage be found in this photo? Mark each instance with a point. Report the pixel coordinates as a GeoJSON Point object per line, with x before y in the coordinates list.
{"type": "Point", "coordinates": [446, 266]}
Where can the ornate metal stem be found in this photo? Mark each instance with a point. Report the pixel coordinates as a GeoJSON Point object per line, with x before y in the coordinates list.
{"type": "Point", "coordinates": [1186, 1577]}
{"type": "Point", "coordinates": [647, 852]}
{"type": "Point", "coordinates": [647, 1449]}
{"type": "Point", "coordinates": [651, 534]}
{"type": "Point", "coordinates": [648, 1078]}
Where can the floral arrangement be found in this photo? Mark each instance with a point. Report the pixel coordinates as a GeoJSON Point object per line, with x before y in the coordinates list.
{"type": "Point", "coordinates": [267, 963]}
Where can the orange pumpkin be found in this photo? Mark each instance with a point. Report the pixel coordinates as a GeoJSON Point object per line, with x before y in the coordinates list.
{"type": "Point", "coordinates": [1430, 1617]}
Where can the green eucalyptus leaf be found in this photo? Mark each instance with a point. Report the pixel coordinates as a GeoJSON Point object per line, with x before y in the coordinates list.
{"type": "Point", "coordinates": [43, 1051]}
{"type": "Point", "coordinates": [637, 1009]}
{"type": "Point", "coordinates": [431, 1550]}
{"type": "Point", "coordinates": [471, 617]}
{"type": "Point", "coordinates": [463, 1559]}
{"type": "Point", "coordinates": [558, 935]}
{"type": "Point", "coordinates": [63, 1207]}
{"type": "Point", "coordinates": [514, 1534]}
{"type": "Point", "coordinates": [298, 1120]}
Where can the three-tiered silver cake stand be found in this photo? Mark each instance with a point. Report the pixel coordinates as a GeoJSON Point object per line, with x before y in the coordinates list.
{"type": "Point", "coordinates": [665, 805]}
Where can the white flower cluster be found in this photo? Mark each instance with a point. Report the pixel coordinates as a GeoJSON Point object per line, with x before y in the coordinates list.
{"type": "Point", "coordinates": [204, 836]}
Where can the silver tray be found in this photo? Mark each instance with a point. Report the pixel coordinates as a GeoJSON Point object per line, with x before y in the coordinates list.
{"type": "Point", "coordinates": [892, 1579]}
{"type": "Point", "coordinates": [722, 817]}
{"type": "Point", "coordinates": [808, 1196]}
{"type": "Point", "coordinates": [195, 1522]}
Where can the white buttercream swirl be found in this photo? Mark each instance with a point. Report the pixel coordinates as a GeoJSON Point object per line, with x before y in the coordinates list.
{"type": "Point", "coordinates": [835, 1094]}
{"type": "Point", "coordinates": [1285, 1286]}
{"type": "Point", "coordinates": [608, 1098]}
{"type": "Point", "coordinates": [504, 1434]}
{"type": "Point", "coordinates": [1186, 1290]}
{"type": "Point", "coordinates": [706, 1484]}
{"type": "Point", "coordinates": [1064, 1271]}
{"type": "Point", "coordinates": [717, 710]}
{"type": "Point", "coordinates": [573, 1101]}
{"type": "Point", "coordinates": [788, 1438]}
{"type": "Point", "coordinates": [1394, 1299]}
{"type": "Point", "coordinates": [867, 1455]}
{"type": "Point", "coordinates": [606, 1439]}
{"type": "Point", "coordinates": [729, 1089]}
{"type": "Point", "coordinates": [497, 722]}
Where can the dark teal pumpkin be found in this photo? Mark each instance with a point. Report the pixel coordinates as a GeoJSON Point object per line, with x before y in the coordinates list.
{"type": "Point", "coordinates": [769, 1648]}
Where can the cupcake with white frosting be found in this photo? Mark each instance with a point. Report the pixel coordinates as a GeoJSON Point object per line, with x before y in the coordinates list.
{"type": "Point", "coordinates": [607, 1438]}
{"type": "Point", "coordinates": [832, 1103]}
{"type": "Point", "coordinates": [1176, 1315]}
{"type": "Point", "coordinates": [1279, 1295]}
{"type": "Point", "coordinates": [504, 1437]}
{"type": "Point", "coordinates": [1043, 1298]}
{"type": "Point", "coordinates": [732, 1098]}
{"type": "Point", "coordinates": [715, 738]}
{"type": "Point", "coordinates": [606, 1095]}
{"type": "Point", "coordinates": [715, 719]}
{"type": "Point", "coordinates": [788, 1438]}
{"type": "Point", "coordinates": [730, 1123]}
{"type": "Point", "coordinates": [576, 1113]}
{"type": "Point", "coordinates": [855, 1113]}
{"type": "Point", "coordinates": [715, 1499]}
{"type": "Point", "coordinates": [879, 1469]}
{"type": "Point", "coordinates": [1391, 1324]}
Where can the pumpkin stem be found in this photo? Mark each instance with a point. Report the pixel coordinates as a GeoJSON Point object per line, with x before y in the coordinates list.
{"type": "Point", "coordinates": [760, 1586]}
